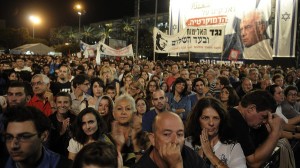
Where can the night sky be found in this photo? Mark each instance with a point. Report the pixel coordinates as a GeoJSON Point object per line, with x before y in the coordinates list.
{"type": "Point", "coordinates": [55, 13]}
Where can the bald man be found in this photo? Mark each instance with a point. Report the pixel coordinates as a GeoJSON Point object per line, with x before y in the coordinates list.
{"type": "Point", "coordinates": [168, 149]}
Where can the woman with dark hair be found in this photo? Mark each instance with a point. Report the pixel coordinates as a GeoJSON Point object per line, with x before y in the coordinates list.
{"type": "Point", "coordinates": [105, 107]}
{"type": "Point", "coordinates": [141, 108]}
{"type": "Point", "coordinates": [98, 154]}
{"type": "Point", "coordinates": [178, 99]}
{"type": "Point", "coordinates": [210, 135]}
{"type": "Point", "coordinates": [89, 127]}
{"type": "Point", "coordinates": [96, 88]}
{"type": "Point", "coordinates": [164, 86]}
{"type": "Point", "coordinates": [145, 75]}
{"type": "Point", "coordinates": [229, 97]}
{"type": "Point", "coordinates": [151, 87]}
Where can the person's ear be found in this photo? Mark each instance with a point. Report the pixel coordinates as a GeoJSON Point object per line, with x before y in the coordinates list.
{"type": "Point", "coordinates": [251, 108]}
{"type": "Point", "coordinates": [151, 138]}
{"type": "Point", "coordinates": [45, 136]}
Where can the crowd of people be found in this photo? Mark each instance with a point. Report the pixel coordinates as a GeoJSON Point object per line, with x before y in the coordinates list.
{"type": "Point", "coordinates": [72, 112]}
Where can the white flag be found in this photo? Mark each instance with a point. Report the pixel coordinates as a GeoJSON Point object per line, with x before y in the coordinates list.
{"type": "Point", "coordinates": [285, 28]}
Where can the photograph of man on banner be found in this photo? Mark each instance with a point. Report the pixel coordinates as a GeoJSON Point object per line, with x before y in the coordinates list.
{"type": "Point", "coordinates": [253, 35]}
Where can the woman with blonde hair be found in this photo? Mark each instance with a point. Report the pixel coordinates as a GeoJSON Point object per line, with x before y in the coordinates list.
{"type": "Point", "coordinates": [107, 76]}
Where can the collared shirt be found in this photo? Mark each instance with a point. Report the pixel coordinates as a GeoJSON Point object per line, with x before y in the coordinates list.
{"type": "Point", "coordinates": [78, 105]}
{"type": "Point", "coordinates": [39, 104]}
{"type": "Point", "coordinates": [147, 120]}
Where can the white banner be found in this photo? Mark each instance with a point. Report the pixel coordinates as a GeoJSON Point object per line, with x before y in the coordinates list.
{"type": "Point", "coordinates": [88, 50]}
{"type": "Point", "coordinates": [190, 39]}
{"type": "Point", "coordinates": [122, 52]}
{"type": "Point", "coordinates": [285, 28]}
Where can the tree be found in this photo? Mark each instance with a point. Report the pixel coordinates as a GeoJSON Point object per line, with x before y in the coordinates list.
{"type": "Point", "coordinates": [88, 33]}
{"type": "Point", "coordinates": [11, 37]}
{"type": "Point", "coordinates": [105, 31]}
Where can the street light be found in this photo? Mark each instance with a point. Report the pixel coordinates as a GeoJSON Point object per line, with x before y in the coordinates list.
{"type": "Point", "coordinates": [80, 11]}
{"type": "Point", "coordinates": [35, 20]}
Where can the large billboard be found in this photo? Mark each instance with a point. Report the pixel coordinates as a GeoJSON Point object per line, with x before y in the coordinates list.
{"type": "Point", "coordinates": [254, 29]}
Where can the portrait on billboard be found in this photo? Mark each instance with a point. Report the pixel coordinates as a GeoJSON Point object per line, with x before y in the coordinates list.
{"type": "Point", "coordinates": [254, 37]}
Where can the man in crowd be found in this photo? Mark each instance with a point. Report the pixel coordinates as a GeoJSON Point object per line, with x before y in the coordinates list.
{"type": "Point", "coordinates": [184, 73]}
{"type": "Point", "coordinates": [244, 87]}
{"type": "Point", "coordinates": [290, 106]}
{"type": "Point", "coordinates": [80, 98]}
{"type": "Point", "coordinates": [159, 101]}
{"type": "Point", "coordinates": [221, 82]}
{"type": "Point", "coordinates": [20, 65]}
{"type": "Point", "coordinates": [43, 98]}
{"type": "Point", "coordinates": [18, 94]}
{"type": "Point", "coordinates": [175, 74]}
{"type": "Point", "coordinates": [62, 84]}
{"type": "Point", "coordinates": [253, 76]}
{"type": "Point", "coordinates": [199, 87]}
{"type": "Point", "coordinates": [250, 121]}
{"type": "Point", "coordinates": [26, 128]}
{"type": "Point", "coordinates": [168, 149]}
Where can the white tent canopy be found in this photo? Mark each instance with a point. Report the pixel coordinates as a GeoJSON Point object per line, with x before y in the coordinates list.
{"type": "Point", "coordinates": [37, 48]}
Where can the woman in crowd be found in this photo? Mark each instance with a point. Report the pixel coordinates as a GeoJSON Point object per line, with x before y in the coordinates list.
{"type": "Point", "coordinates": [151, 87]}
{"type": "Point", "coordinates": [97, 87]}
{"type": "Point", "coordinates": [105, 107]}
{"type": "Point", "coordinates": [123, 131]}
{"type": "Point", "coordinates": [107, 76]}
{"type": "Point", "coordinates": [62, 121]}
{"type": "Point", "coordinates": [142, 81]}
{"type": "Point", "coordinates": [229, 97]}
{"type": "Point", "coordinates": [211, 136]}
{"type": "Point", "coordinates": [141, 108]}
{"type": "Point", "coordinates": [145, 75]}
{"type": "Point", "coordinates": [89, 127]}
{"type": "Point", "coordinates": [164, 86]}
{"type": "Point", "coordinates": [156, 78]}
{"type": "Point", "coordinates": [178, 99]}
{"type": "Point", "coordinates": [127, 80]}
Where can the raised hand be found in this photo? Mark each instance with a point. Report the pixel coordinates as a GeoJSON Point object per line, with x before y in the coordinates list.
{"type": "Point", "coordinates": [65, 125]}
{"type": "Point", "coordinates": [117, 135]}
{"type": "Point", "coordinates": [205, 144]}
{"type": "Point", "coordinates": [171, 153]}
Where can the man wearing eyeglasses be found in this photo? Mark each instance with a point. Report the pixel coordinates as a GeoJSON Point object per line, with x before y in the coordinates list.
{"type": "Point", "coordinates": [26, 129]}
{"type": "Point", "coordinates": [290, 106]}
{"type": "Point", "coordinates": [43, 98]}
{"type": "Point", "coordinates": [80, 98]}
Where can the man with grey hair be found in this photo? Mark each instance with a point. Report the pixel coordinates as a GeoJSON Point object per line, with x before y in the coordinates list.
{"type": "Point", "coordinates": [253, 28]}
{"type": "Point", "coordinates": [253, 75]}
{"type": "Point", "coordinates": [43, 98]}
